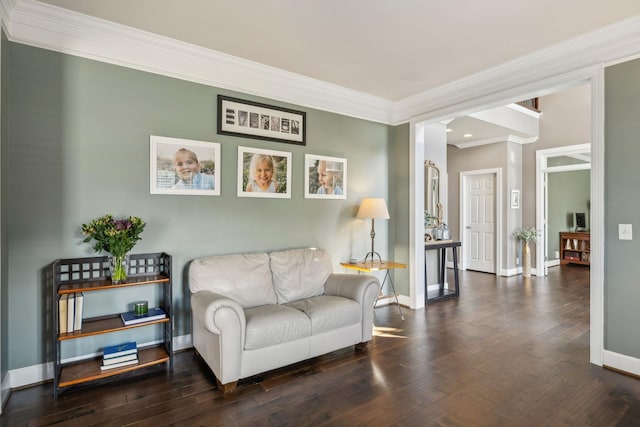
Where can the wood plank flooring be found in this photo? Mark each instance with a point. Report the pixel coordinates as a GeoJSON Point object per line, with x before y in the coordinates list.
{"type": "Point", "coordinates": [509, 352]}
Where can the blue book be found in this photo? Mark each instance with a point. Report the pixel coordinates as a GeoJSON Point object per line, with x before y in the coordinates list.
{"type": "Point", "coordinates": [120, 350]}
{"type": "Point", "coordinates": [130, 318]}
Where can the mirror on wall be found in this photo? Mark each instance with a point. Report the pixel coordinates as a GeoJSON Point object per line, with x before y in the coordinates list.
{"type": "Point", "coordinates": [432, 205]}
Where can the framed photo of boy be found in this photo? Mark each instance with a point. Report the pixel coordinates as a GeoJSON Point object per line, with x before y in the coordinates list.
{"type": "Point", "coordinates": [183, 166]}
{"type": "Point", "coordinates": [264, 173]}
{"type": "Point", "coordinates": [254, 120]}
{"type": "Point", "coordinates": [325, 177]}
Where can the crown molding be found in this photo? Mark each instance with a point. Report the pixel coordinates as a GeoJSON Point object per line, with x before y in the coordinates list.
{"type": "Point", "coordinates": [50, 27]}
{"type": "Point", "coordinates": [5, 10]}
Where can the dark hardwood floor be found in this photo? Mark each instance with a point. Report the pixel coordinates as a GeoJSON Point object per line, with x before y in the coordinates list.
{"type": "Point", "coordinates": [509, 352]}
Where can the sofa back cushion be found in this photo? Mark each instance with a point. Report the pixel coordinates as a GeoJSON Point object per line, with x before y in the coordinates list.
{"type": "Point", "coordinates": [299, 273]}
{"type": "Point", "coordinates": [245, 278]}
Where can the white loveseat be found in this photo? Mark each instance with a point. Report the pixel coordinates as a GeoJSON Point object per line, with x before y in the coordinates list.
{"type": "Point", "coordinates": [256, 312]}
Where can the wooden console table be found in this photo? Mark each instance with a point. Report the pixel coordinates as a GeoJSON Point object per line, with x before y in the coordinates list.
{"type": "Point", "coordinates": [371, 266]}
{"type": "Point", "coordinates": [442, 293]}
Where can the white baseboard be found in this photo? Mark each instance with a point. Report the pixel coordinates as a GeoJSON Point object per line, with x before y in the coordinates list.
{"type": "Point", "coordinates": [620, 362]}
{"type": "Point", "coordinates": [511, 272]}
{"type": "Point", "coordinates": [35, 374]}
{"type": "Point", "coordinates": [553, 263]}
{"type": "Point", "coordinates": [6, 390]}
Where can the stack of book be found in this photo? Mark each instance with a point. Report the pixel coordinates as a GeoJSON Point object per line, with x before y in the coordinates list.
{"type": "Point", "coordinates": [131, 318]}
{"type": "Point", "coordinates": [117, 356]}
{"type": "Point", "coordinates": [70, 312]}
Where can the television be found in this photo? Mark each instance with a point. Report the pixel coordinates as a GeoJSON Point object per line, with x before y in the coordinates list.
{"type": "Point", "coordinates": [581, 221]}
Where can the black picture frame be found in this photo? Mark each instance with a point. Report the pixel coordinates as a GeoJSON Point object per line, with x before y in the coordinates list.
{"type": "Point", "coordinates": [239, 117]}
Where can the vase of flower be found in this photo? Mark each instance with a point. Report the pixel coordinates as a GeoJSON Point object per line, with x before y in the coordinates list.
{"type": "Point", "coordinates": [117, 237]}
{"type": "Point", "coordinates": [526, 235]}
{"type": "Point", "coordinates": [118, 268]}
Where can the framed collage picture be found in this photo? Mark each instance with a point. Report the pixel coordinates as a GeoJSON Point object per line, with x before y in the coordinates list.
{"type": "Point", "coordinates": [261, 121]}
{"type": "Point", "coordinates": [183, 166]}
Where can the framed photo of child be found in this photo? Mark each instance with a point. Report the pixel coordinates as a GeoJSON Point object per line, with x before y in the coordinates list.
{"type": "Point", "coordinates": [184, 166]}
{"type": "Point", "coordinates": [264, 173]}
{"type": "Point", "coordinates": [325, 177]}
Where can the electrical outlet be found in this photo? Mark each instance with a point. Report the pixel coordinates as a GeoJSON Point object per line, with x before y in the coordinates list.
{"type": "Point", "coordinates": [557, 254]}
{"type": "Point", "coordinates": [517, 261]}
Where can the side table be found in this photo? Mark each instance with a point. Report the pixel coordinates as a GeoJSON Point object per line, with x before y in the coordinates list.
{"type": "Point", "coordinates": [442, 293]}
{"type": "Point", "coordinates": [371, 266]}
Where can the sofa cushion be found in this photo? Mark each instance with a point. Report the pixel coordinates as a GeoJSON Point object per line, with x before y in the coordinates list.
{"type": "Point", "coordinates": [328, 312]}
{"type": "Point", "coordinates": [299, 273]}
{"type": "Point", "coordinates": [274, 324]}
{"type": "Point", "coordinates": [244, 278]}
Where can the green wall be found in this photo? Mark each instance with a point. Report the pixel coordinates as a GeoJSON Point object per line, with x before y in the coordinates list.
{"type": "Point", "coordinates": [569, 192]}
{"type": "Point", "coordinates": [399, 204]}
{"type": "Point", "coordinates": [78, 147]}
{"type": "Point", "coordinates": [622, 206]}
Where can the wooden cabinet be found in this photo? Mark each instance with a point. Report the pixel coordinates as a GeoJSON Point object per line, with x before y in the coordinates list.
{"type": "Point", "coordinates": [575, 248]}
{"type": "Point", "coordinates": [88, 275]}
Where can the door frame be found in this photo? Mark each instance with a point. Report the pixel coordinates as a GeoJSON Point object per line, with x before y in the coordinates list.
{"type": "Point", "coordinates": [464, 177]}
{"type": "Point", "coordinates": [593, 75]}
{"type": "Point", "coordinates": [541, 194]}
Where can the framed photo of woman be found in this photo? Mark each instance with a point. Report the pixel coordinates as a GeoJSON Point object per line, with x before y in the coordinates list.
{"type": "Point", "coordinates": [325, 177]}
{"type": "Point", "coordinates": [264, 173]}
{"type": "Point", "coordinates": [183, 166]}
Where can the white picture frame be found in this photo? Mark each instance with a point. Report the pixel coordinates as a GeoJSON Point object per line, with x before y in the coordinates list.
{"type": "Point", "coordinates": [165, 156]}
{"type": "Point", "coordinates": [250, 183]}
{"type": "Point", "coordinates": [325, 177]}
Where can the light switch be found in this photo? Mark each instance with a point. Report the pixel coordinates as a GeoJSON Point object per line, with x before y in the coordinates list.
{"type": "Point", "coordinates": [625, 232]}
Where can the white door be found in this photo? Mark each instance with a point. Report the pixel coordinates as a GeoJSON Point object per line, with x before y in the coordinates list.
{"type": "Point", "coordinates": [480, 230]}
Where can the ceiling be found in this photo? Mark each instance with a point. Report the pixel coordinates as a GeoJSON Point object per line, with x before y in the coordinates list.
{"type": "Point", "coordinates": [388, 49]}
{"type": "Point", "coordinates": [466, 129]}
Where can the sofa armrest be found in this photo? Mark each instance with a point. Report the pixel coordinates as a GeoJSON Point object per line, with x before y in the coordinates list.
{"type": "Point", "coordinates": [218, 313]}
{"type": "Point", "coordinates": [218, 333]}
{"type": "Point", "coordinates": [360, 287]}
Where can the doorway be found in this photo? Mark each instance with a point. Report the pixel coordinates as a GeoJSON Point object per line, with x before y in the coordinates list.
{"type": "Point", "coordinates": [593, 76]}
{"type": "Point", "coordinates": [550, 161]}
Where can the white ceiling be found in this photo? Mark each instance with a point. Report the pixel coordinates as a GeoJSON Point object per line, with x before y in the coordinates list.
{"type": "Point", "coordinates": [479, 130]}
{"type": "Point", "coordinates": [389, 49]}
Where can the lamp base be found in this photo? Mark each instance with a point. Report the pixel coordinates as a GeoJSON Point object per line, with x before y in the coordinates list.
{"type": "Point", "coordinates": [373, 255]}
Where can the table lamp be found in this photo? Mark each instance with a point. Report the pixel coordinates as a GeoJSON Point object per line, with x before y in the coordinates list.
{"type": "Point", "coordinates": [373, 208]}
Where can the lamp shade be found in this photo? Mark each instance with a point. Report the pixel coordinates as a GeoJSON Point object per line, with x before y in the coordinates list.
{"type": "Point", "coordinates": [373, 208]}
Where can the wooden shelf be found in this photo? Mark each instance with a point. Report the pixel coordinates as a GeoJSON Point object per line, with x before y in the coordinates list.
{"type": "Point", "coordinates": [575, 248]}
{"type": "Point", "coordinates": [104, 325]}
{"type": "Point", "coordinates": [84, 275]}
{"type": "Point", "coordinates": [104, 284]}
{"type": "Point", "coordinates": [89, 370]}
